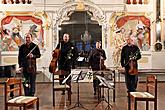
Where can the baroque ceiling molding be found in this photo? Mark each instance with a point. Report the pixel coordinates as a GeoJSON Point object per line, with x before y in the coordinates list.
{"type": "Point", "coordinates": [63, 12]}
{"type": "Point", "coordinates": [69, 7]}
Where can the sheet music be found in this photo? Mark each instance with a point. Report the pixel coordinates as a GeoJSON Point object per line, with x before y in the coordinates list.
{"type": "Point", "coordinates": [104, 82]}
{"type": "Point", "coordinates": [87, 76]}
{"type": "Point", "coordinates": [64, 81]}
{"type": "Point", "coordinates": [80, 58]}
{"type": "Point", "coordinates": [75, 71]}
{"type": "Point", "coordinates": [80, 76]}
{"type": "Point", "coordinates": [74, 75]}
{"type": "Point", "coordinates": [101, 81]}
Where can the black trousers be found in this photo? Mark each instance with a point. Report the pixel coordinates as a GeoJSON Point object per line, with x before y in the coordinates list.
{"type": "Point", "coordinates": [131, 82]}
{"type": "Point", "coordinates": [96, 81]}
{"type": "Point", "coordinates": [95, 84]}
{"type": "Point", "coordinates": [29, 84]}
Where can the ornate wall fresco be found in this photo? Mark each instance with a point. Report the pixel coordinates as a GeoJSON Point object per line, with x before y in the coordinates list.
{"type": "Point", "coordinates": [136, 27]}
{"type": "Point", "coordinates": [14, 28]}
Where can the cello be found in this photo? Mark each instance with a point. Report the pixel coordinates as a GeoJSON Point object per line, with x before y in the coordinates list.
{"type": "Point", "coordinates": [53, 63]}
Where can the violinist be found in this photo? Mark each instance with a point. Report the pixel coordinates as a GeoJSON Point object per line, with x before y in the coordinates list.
{"type": "Point", "coordinates": [96, 58]}
{"type": "Point", "coordinates": [65, 58]}
{"type": "Point", "coordinates": [129, 56]}
{"type": "Point", "coordinates": [28, 53]}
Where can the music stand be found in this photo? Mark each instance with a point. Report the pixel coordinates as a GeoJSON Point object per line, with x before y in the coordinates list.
{"type": "Point", "coordinates": [80, 60]}
{"type": "Point", "coordinates": [104, 83]}
{"type": "Point", "coordinates": [64, 82]}
{"type": "Point", "coordinates": [77, 77]}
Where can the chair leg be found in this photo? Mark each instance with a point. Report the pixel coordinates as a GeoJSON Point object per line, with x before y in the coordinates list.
{"type": "Point", "coordinates": [135, 105]}
{"type": "Point", "coordinates": [114, 95]}
{"type": "Point", "coordinates": [69, 96]}
{"type": "Point", "coordinates": [53, 90]}
{"type": "Point", "coordinates": [155, 105]}
{"type": "Point", "coordinates": [20, 108]}
{"type": "Point", "coordinates": [129, 101]}
{"type": "Point", "coordinates": [53, 98]}
{"type": "Point", "coordinates": [24, 107]}
{"type": "Point", "coordinates": [147, 105]}
{"type": "Point", "coordinates": [98, 93]}
{"type": "Point", "coordinates": [6, 107]}
{"type": "Point", "coordinates": [37, 104]}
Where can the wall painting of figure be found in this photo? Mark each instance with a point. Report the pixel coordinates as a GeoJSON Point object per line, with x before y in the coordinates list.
{"type": "Point", "coordinates": [14, 29]}
{"type": "Point", "coordinates": [136, 27]}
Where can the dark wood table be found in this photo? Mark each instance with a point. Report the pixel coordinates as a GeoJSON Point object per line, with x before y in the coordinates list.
{"type": "Point", "coordinates": [7, 70]}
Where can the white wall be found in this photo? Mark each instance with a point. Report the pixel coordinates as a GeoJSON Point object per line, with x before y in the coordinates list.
{"type": "Point", "coordinates": [164, 8]}
{"type": "Point", "coordinates": [158, 59]}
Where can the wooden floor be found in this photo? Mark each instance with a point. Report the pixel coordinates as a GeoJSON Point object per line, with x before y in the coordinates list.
{"type": "Point", "coordinates": [87, 99]}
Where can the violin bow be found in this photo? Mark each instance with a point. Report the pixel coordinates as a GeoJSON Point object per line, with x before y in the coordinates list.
{"type": "Point", "coordinates": [132, 56]}
{"type": "Point", "coordinates": [33, 49]}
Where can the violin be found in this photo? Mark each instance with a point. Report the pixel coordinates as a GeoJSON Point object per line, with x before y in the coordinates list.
{"type": "Point", "coordinates": [53, 63]}
{"type": "Point", "coordinates": [103, 67]}
{"type": "Point", "coordinates": [31, 61]}
{"type": "Point", "coordinates": [133, 67]}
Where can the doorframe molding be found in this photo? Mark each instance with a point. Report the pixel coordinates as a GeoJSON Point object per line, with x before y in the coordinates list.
{"type": "Point", "coordinates": [68, 8]}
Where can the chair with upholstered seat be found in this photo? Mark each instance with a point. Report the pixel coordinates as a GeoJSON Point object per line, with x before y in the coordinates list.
{"type": "Point", "coordinates": [149, 95]}
{"type": "Point", "coordinates": [18, 100]}
{"type": "Point", "coordinates": [60, 87]}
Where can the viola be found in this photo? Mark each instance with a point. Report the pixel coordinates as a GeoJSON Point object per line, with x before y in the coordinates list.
{"type": "Point", "coordinates": [133, 67]}
{"type": "Point", "coordinates": [103, 67]}
{"type": "Point", "coordinates": [53, 63]}
{"type": "Point", "coordinates": [31, 65]}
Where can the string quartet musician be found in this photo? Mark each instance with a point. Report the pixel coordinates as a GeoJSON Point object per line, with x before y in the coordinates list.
{"type": "Point", "coordinates": [65, 58]}
{"type": "Point", "coordinates": [129, 55]}
{"type": "Point", "coordinates": [28, 53]}
{"type": "Point", "coordinates": [96, 58]}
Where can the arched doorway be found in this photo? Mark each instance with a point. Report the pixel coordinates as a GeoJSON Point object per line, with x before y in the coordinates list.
{"type": "Point", "coordinates": [84, 32]}
{"type": "Point", "coordinates": [76, 18]}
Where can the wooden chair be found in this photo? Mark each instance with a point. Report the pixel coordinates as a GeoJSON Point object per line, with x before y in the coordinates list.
{"type": "Point", "coordinates": [60, 87]}
{"type": "Point", "coordinates": [18, 100]}
{"type": "Point", "coordinates": [149, 95]}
